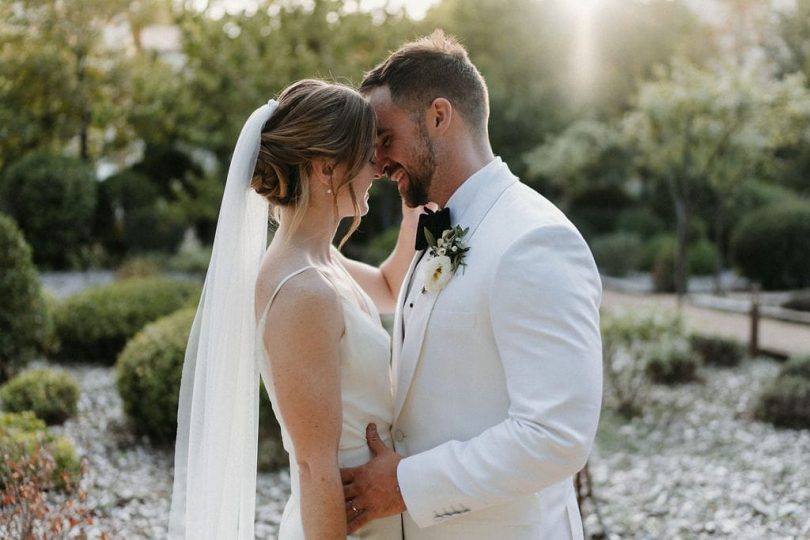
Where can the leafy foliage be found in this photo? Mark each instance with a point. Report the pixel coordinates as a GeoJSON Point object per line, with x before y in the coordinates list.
{"type": "Point", "coordinates": [149, 370]}
{"type": "Point", "coordinates": [52, 199]}
{"type": "Point", "coordinates": [52, 395]}
{"type": "Point", "coordinates": [617, 254]}
{"type": "Point", "coordinates": [23, 319]}
{"type": "Point", "coordinates": [717, 351]}
{"type": "Point", "coordinates": [23, 434]}
{"type": "Point", "coordinates": [770, 246]}
{"type": "Point", "coordinates": [94, 325]}
{"type": "Point", "coordinates": [629, 340]}
{"type": "Point", "coordinates": [671, 361]}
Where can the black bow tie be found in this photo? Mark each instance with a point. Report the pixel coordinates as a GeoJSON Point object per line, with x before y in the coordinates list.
{"type": "Point", "coordinates": [435, 222]}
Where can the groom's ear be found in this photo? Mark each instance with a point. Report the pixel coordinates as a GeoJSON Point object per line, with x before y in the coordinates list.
{"type": "Point", "coordinates": [440, 115]}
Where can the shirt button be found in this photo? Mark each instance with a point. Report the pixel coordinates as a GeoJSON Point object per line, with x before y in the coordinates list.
{"type": "Point", "coordinates": [399, 436]}
{"type": "Point", "coordinates": [410, 305]}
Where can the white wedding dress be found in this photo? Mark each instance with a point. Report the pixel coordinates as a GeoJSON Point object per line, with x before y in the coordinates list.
{"type": "Point", "coordinates": [366, 397]}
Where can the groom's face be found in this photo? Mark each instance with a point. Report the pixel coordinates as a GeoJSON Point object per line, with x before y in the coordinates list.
{"type": "Point", "coordinates": [404, 151]}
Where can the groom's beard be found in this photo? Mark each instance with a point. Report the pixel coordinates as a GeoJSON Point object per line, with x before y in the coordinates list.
{"type": "Point", "coordinates": [420, 174]}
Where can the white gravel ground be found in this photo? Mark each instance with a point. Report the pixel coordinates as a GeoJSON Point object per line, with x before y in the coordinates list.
{"type": "Point", "coordinates": [695, 466]}
{"type": "Point", "coordinates": [698, 466]}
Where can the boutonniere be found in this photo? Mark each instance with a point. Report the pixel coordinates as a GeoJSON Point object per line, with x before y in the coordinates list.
{"type": "Point", "coordinates": [446, 256]}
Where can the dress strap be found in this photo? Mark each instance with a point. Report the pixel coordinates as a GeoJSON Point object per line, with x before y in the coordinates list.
{"type": "Point", "coordinates": [281, 284]}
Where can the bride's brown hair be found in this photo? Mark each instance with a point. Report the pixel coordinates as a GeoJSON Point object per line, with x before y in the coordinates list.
{"type": "Point", "coordinates": [314, 119]}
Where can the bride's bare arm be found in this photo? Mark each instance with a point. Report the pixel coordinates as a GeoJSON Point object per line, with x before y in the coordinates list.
{"type": "Point", "coordinates": [304, 327]}
{"type": "Point", "coordinates": [382, 284]}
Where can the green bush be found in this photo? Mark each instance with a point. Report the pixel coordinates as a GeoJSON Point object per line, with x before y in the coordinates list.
{"type": "Point", "coordinates": [672, 361]}
{"type": "Point", "coordinates": [717, 351]}
{"type": "Point", "coordinates": [23, 434]}
{"type": "Point", "coordinates": [658, 256]}
{"type": "Point", "coordinates": [52, 395]}
{"type": "Point", "coordinates": [149, 370]}
{"type": "Point", "coordinates": [381, 246]}
{"type": "Point", "coordinates": [785, 402]}
{"type": "Point", "coordinates": [641, 221]}
{"type": "Point", "coordinates": [24, 315]}
{"type": "Point", "coordinates": [138, 267]}
{"type": "Point", "coordinates": [53, 200]}
{"type": "Point", "coordinates": [617, 254]}
{"type": "Point", "coordinates": [798, 366]}
{"type": "Point", "coordinates": [702, 257]}
{"type": "Point", "coordinates": [95, 324]}
{"type": "Point", "coordinates": [190, 261]}
{"type": "Point", "coordinates": [629, 339]}
{"type": "Point", "coordinates": [771, 246]}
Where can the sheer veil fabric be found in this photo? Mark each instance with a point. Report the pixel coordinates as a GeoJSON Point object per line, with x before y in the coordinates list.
{"type": "Point", "coordinates": [214, 492]}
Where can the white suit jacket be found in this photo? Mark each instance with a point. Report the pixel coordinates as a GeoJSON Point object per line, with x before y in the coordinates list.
{"type": "Point", "coordinates": [498, 381]}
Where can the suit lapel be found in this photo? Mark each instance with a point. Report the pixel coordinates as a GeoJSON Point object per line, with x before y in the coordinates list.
{"type": "Point", "coordinates": [408, 349]}
{"type": "Point", "coordinates": [397, 329]}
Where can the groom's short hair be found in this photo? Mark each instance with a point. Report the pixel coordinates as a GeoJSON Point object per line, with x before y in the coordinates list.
{"type": "Point", "coordinates": [431, 67]}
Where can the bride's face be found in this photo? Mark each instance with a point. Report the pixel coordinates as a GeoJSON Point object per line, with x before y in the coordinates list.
{"type": "Point", "coordinates": [361, 185]}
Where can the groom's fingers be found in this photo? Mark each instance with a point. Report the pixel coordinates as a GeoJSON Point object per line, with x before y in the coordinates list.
{"type": "Point", "coordinates": [373, 438]}
{"type": "Point", "coordinates": [347, 475]}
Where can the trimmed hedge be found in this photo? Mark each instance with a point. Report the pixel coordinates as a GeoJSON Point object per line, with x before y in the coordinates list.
{"type": "Point", "coordinates": [658, 255]}
{"type": "Point", "coordinates": [52, 395]}
{"type": "Point", "coordinates": [717, 351]}
{"type": "Point", "coordinates": [53, 200]}
{"type": "Point", "coordinates": [24, 315]}
{"type": "Point", "coordinates": [672, 361]}
{"type": "Point", "coordinates": [149, 371]}
{"type": "Point", "coordinates": [785, 402]}
{"type": "Point", "coordinates": [23, 434]}
{"type": "Point", "coordinates": [771, 246]}
{"type": "Point", "coordinates": [95, 324]}
{"type": "Point", "coordinates": [148, 374]}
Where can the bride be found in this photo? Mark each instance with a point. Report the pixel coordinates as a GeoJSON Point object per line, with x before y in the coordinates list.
{"type": "Point", "coordinates": [294, 314]}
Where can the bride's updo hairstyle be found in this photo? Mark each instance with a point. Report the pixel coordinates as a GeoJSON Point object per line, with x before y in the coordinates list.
{"type": "Point", "coordinates": [314, 119]}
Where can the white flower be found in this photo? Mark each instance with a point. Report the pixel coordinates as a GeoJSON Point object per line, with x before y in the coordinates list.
{"type": "Point", "coordinates": [438, 271]}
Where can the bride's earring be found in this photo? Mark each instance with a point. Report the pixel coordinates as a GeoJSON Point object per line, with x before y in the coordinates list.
{"type": "Point", "coordinates": [329, 191]}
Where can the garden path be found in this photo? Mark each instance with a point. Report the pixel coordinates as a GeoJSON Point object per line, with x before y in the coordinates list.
{"type": "Point", "coordinates": [778, 337]}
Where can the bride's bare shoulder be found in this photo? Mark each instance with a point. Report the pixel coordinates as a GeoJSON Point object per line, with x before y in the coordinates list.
{"type": "Point", "coordinates": [300, 284]}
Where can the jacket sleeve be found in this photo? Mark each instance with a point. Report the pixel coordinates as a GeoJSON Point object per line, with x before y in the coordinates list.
{"type": "Point", "coordinates": [544, 313]}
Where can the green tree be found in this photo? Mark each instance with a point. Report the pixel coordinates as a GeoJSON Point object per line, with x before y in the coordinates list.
{"type": "Point", "coordinates": [698, 130]}
{"type": "Point", "coordinates": [59, 85]}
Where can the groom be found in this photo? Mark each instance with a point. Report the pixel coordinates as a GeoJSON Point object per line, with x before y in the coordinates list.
{"type": "Point", "coordinates": [497, 371]}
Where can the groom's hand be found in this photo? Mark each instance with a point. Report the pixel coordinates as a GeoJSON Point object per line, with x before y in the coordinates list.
{"type": "Point", "coordinates": [371, 490]}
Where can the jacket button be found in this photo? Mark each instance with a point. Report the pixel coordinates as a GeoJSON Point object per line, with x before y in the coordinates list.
{"type": "Point", "coordinates": [399, 436]}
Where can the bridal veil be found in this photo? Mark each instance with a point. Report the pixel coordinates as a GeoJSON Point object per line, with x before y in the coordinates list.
{"type": "Point", "coordinates": [217, 422]}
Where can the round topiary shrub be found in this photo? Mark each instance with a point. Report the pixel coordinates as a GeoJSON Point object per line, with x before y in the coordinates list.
{"type": "Point", "coordinates": [23, 317]}
{"type": "Point", "coordinates": [52, 395]}
{"type": "Point", "coordinates": [798, 366]}
{"type": "Point", "coordinates": [53, 200]}
{"type": "Point", "coordinates": [23, 434]}
{"type": "Point", "coordinates": [717, 351]}
{"type": "Point", "coordinates": [770, 246]}
{"type": "Point", "coordinates": [785, 402]}
{"type": "Point", "coordinates": [671, 361]}
{"type": "Point", "coordinates": [95, 324]}
{"type": "Point", "coordinates": [149, 370]}
{"type": "Point", "coordinates": [617, 254]}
